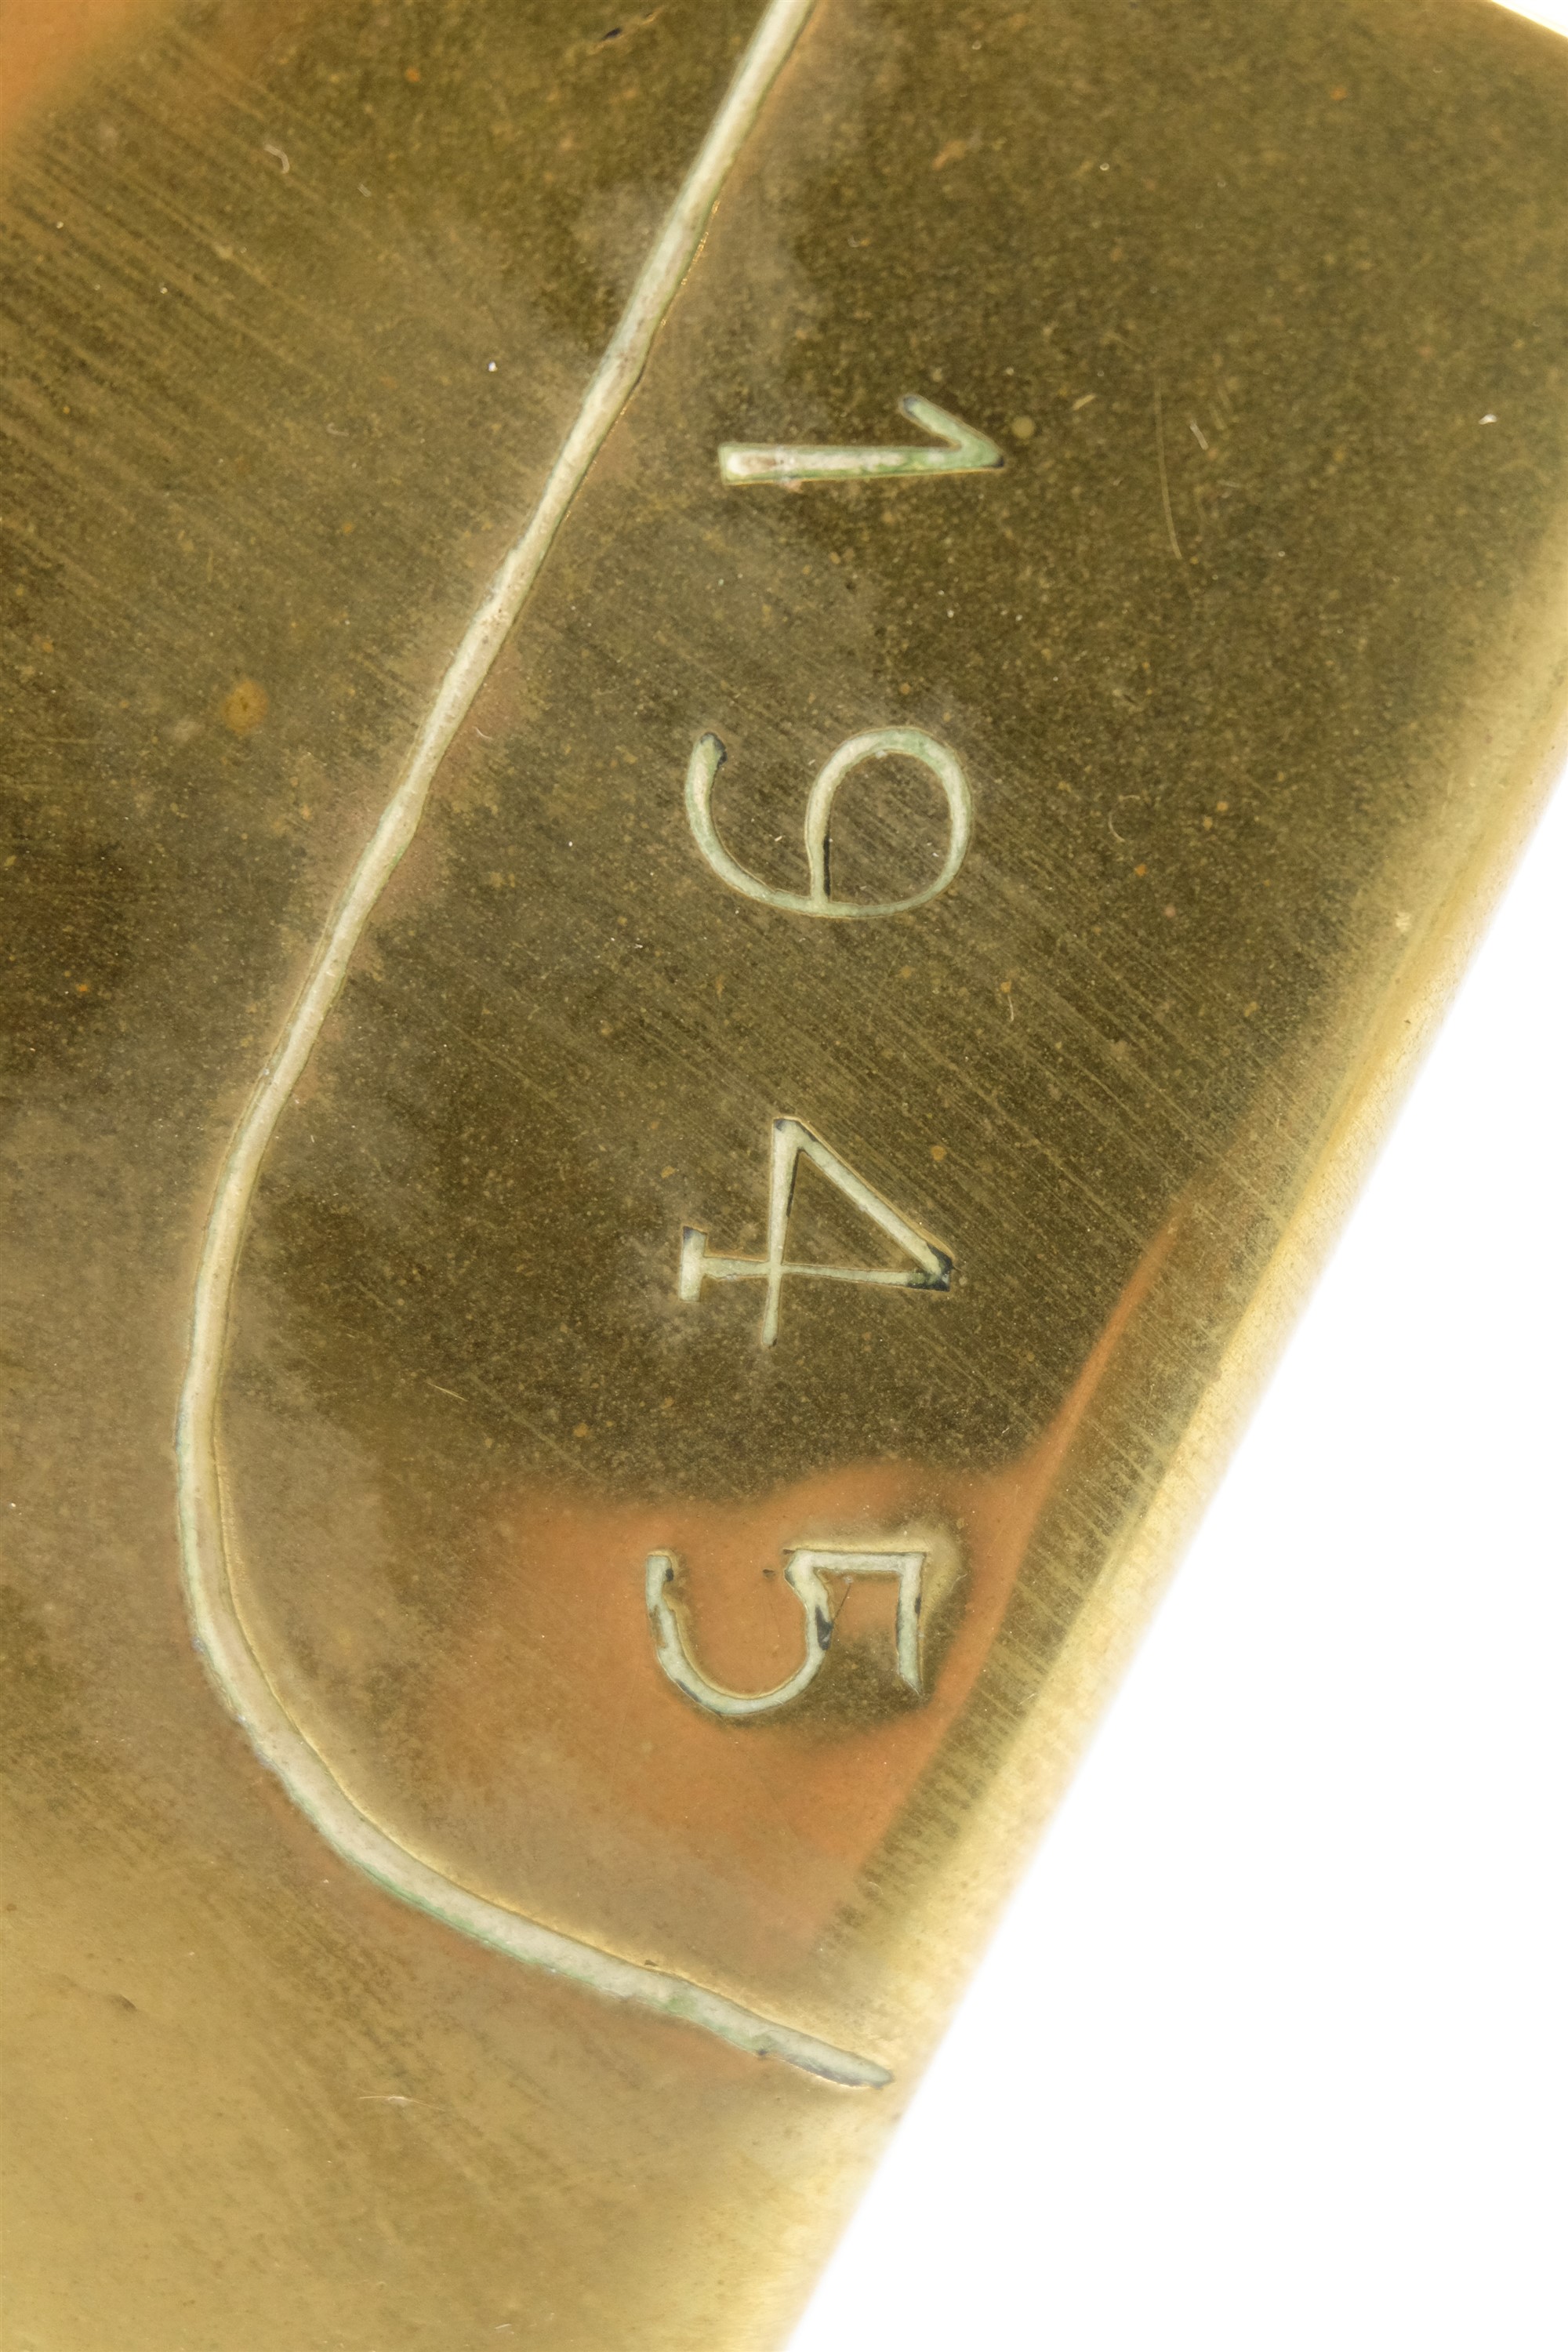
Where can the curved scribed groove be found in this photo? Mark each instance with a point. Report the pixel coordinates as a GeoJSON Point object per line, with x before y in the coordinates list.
{"type": "Point", "coordinates": [209, 1588]}
{"type": "Point", "coordinates": [708, 757]}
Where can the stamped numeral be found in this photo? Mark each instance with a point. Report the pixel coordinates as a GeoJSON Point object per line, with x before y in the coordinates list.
{"type": "Point", "coordinates": [963, 450]}
{"type": "Point", "coordinates": [880, 743]}
{"type": "Point", "coordinates": [805, 1574]}
{"type": "Point", "coordinates": [792, 1141]}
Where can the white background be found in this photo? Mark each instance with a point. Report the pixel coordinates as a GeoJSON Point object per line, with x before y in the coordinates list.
{"type": "Point", "coordinates": [1271, 2053]}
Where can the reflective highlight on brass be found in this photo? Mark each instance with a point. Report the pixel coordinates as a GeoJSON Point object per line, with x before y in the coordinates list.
{"type": "Point", "coordinates": [730, 1285]}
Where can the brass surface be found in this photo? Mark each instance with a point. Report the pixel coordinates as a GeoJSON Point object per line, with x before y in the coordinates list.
{"type": "Point", "coordinates": [1250, 658]}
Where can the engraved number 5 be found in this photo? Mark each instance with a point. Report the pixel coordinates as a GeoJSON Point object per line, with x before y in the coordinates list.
{"type": "Point", "coordinates": [804, 1574]}
{"type": "Point", "coordinates": [882, 743]}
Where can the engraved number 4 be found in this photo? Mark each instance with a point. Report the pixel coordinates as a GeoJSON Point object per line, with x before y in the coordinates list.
{"type": "Point", "coordinates": [931, 1268]}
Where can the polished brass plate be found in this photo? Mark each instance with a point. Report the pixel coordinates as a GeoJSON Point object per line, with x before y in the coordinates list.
{"type": "Point", "coordinates": [744, 752]}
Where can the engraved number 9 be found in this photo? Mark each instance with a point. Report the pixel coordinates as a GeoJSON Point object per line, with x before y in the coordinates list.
{"type": "Point", "coordinates": [882, 743]}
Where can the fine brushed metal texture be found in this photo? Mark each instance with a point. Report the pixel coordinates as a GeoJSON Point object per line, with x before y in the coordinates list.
{"type": "Point", "coordinates": [220, 1630]}
{"type": "Point", "coordinates": [1249, 662]}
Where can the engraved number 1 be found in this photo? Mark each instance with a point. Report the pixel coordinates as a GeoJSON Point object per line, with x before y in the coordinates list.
{"type": "Point", "coordinates": [931, 1268]}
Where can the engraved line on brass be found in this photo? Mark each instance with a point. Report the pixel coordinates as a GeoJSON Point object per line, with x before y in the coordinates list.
{"type": "Point", "coordinates": [804, 1573]}
{"type": "Point", "coordinates": [219, 1631]}
{"type": "Point", "coordinates": [793, 1141]}
{"type": "Point", "coordinates": [963, 451]}
{"type": "Point", "coordinates": [881, 743]}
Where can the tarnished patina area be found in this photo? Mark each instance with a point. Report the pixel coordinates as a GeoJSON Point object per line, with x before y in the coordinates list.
{"type": "Point", "coordinates": [743, 750]}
